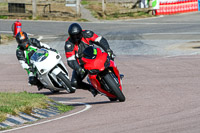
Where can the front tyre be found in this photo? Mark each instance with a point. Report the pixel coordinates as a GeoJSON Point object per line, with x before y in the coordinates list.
{"type": "Point", "coordinates": [114, 88]}
{"type": "Point", "coordinates": [64, 81]}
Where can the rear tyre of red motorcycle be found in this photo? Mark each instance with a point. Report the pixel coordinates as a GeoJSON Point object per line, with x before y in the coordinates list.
{"type": "Point", "coordinates": [114, 87]}
{"type": "Point", "coordinates": [65, 82]}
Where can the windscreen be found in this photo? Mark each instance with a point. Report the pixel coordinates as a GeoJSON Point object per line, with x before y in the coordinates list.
{"type": "Point", "coordinates": [90, 53]}
{"type": "Point", "coordinates": [40, 55]}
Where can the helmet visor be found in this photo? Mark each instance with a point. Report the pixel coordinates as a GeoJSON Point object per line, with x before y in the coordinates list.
{"type": "Point", "coordinates": [77, 38]}
{"type": "Point", "coordinates": [24, 45]}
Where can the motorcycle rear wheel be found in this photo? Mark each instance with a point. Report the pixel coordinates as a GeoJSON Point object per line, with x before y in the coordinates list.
{"type": "Point", "coordinates": [65, 82]}
{"type": "Point", "coordinates": [114, 87]}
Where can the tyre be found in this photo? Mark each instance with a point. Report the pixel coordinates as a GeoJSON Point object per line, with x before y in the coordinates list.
{"type": "Point", "coordinates": [114, 88]}
{"type": "Point", "coordinates": [64, 81]}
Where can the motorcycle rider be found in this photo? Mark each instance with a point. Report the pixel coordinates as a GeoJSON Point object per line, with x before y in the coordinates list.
{"type": "Point", "coordinates": [25, 49]}
{"type": "Point", "coordinates": [75, 44]}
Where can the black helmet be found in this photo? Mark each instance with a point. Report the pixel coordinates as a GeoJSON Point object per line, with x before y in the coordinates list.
{"type": "Point", "coordinates": [22, 39]}
{"type": "Point", "coordinates": [75, 32]}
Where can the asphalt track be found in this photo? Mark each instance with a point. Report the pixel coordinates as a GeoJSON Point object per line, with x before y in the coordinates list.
{"type": "Point", "coordinates": [160, 60]}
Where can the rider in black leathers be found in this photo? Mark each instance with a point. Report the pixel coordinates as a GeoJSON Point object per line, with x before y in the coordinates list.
{"type": "Point", "coordinates": [25, 49]}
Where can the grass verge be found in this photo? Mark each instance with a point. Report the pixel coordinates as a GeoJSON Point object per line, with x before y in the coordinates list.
{"type": "Point", "coordinates": [60, 12]}
{"type": "Point", "coordinates": [63, 108]}
{"type": "Point", "coordinates": [3, 17]}
{"type": "Point", "coordinates": [13, 103]}
{"type": "Point", "coordinates": [114, 11]}
{"type": "Point", "coordinates": [5, 38]}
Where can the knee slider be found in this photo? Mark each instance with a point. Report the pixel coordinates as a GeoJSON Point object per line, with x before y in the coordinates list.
{"type": "Point", "coordinates": [33, 80]}
{"type": "Point", "coordinates": [74, 83]}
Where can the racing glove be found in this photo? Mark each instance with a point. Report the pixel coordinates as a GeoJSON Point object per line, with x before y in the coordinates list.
{"type": "Point", "coordinates": [81, 72]}
{"type": "Point", "coordinates": [111, 54]}
{"type": "Point", "coordinates": [54, 50]}
{"type": "Point", "coordinates": [30, 69]}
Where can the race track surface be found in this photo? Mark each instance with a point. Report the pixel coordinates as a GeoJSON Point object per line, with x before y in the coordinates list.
{"type": "Point", "coordinates": [161, 82]}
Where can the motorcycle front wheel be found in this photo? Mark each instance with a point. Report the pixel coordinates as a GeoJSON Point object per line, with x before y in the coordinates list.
{"type": "Point", "coordinates": [65, 82]}
{"type": "Point", "coordinates": [114, 88]}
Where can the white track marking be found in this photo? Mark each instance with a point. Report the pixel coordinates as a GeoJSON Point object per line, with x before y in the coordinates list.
{"type": "Point", "coordinates": [46, 37]}
{"type": "Point", "coordinates": [178, 33]}
{"type": "Point", "coordinates": [87, 106]}
{"type": "Point", "coordinates": [6, 32]}
{"type": "Point", "coordinates": [171, 56]}
{"type": "Point", "coordinates": [186, 56]}
{"type": "Point", "coordinates": [49, 37]}
{"type": "Point", "coordinates": [140, 19]}
{"type": "Point", "coordinates": [12, 32]}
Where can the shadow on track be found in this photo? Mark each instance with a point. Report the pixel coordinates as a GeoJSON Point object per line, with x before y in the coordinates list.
{"type": "Point", "coordinates": [92, 103]}
{"type": "Point", "coordinates": [50, 93]}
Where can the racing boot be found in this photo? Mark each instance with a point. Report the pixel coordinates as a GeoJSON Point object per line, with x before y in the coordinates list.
{"type": "Point", "coordinates": [89, 87]}
{"type": "Point", "coordinates": [121, 76]}
{"type": "Point", "coordinates": [93, 91]}
{"type": "Point", "coordinates": [40, 86]}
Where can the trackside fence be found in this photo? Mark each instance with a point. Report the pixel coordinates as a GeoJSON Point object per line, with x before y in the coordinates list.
{"type": "Point", "coordinates": [44, 8]}
{"type": "Point", "coordinates": [167, 7]}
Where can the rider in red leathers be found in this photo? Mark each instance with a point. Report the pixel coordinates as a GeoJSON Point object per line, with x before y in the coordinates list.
{"type": "Point", "coordinates": [75, 44]}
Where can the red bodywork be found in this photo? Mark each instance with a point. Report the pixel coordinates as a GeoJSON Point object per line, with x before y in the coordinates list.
{"type": "Point", "coordinates": [98, 63]}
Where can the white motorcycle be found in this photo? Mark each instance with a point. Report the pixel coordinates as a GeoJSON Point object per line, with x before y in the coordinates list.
{"type": "Point", "coordinates": [51, 71]}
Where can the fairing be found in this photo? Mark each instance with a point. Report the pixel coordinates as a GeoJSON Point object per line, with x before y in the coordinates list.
{"type": "Point", "coordinates": [97, 61]}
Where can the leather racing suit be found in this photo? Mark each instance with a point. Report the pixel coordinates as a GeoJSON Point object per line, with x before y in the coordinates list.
{"type": "Point", "coordinates": [23, 56]}
{"type": "Point", "coordinates": [74, 50]}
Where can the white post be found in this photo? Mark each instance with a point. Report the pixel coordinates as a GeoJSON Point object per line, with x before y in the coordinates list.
{"type": "Point", "coordinates": [103, 6]}
{"type": "Point", "coordinates": [78, 6]}
{"type": "Point", "coordinates": [34, 5]}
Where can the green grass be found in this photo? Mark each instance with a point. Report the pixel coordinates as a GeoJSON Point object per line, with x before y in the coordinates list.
{"type": "Point", "coordinates": [63, 108]}
{"type": "Point", "coordinates": [82, 20]}
{"type": "Point", "coordinates": [3, 17]}
{"type": "Point", "coordinates": [3, 4]}
{"type": "Point", "coordinates": [13, 103]}
{"type": "Point", "coordinates": [84, 2]}
{"type": "Point", "coordinates": [128, 14]}
{"type": "Point", "coordinates": [6, 38]}
{"type": "Point", "coordinates": [6, 128]}
{"type": "Point", "coordinates": [113, 11]}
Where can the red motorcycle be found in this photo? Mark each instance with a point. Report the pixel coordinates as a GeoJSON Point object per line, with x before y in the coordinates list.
{"type": "Point", "coordinates": [103, 74]}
